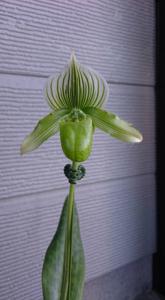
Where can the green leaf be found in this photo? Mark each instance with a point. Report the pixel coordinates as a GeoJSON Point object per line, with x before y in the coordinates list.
{"type": "Point", "coordinates": [113, 125]}
{"type": "Point", "coordinates": [44, 129]}
{"type": "Point", "coordinates": [60, 280]}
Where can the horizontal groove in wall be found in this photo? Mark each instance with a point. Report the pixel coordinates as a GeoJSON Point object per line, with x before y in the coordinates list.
{"type": "Point", "coordinates": [45, 76]}
{"type": "Point", "coordinates": [6, 199]}
{"type": "Point", "coordinates": [110, 38]}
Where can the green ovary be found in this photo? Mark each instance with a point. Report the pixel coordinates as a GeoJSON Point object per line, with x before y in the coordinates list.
{"type": "Point", "coordinates": [76, 138]}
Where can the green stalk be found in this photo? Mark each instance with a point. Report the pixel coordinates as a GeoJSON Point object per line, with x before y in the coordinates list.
{"type": "Point", "coordinates": [66, 283]}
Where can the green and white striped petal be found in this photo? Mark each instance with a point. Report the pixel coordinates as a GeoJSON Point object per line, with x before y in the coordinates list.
{"type": "Point", "coordinates": [76, 87]}
{"type": "Point", "coordinates": [113, 125]}
{"type": "Point", "coordinates": [44, 129]}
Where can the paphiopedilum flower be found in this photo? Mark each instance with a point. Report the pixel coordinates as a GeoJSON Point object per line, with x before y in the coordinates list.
{"type": "Point", "coordinates": [77, 97]}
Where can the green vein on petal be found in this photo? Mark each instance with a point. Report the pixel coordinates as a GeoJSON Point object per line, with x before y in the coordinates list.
{"type": "Point", "coordinates": [44, 129]}
{"type": "Point", "coordinates": [113, 125]}
{"type": "Point", "coordinates": [76, 87]}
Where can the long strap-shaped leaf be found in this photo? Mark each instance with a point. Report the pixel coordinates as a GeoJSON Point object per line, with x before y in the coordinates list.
{"type": "Point", "coordinates": [64, 265]}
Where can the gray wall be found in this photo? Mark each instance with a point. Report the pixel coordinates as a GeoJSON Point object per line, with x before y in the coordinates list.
{"type": "Point", "coordinates": [128, 282]}
{"type": "Point", "coordinates": [117, 198]}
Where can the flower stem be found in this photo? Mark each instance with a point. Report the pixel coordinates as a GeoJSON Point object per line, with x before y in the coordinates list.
{"type": "Point", "coordinates": [68, 241]}
{"type": "Point", "coordinates": [71, 198]}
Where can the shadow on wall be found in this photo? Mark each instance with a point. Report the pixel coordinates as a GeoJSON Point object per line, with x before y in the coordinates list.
{"type": "Point", "coordinates": [150, 296]}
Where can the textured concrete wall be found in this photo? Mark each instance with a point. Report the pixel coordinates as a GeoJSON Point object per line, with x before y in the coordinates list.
{"type": "Point", "coordinates": [124, 283]}
{"type": "Point", "coordinates": [117, 197]}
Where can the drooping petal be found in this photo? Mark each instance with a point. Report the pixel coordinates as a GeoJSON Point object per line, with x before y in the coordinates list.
{"type": "Point", "coordinates": [112, 124]}
{"type": "Point", "coordinates": [76, 87]}
{"type": "Point", "coordinates": [44, 129]}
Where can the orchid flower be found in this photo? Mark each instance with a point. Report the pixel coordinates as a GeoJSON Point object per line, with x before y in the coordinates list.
{"type": "Point", "coordinates": [77, 97]}
{"type": "Point", "coordinates": [80, 90]}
